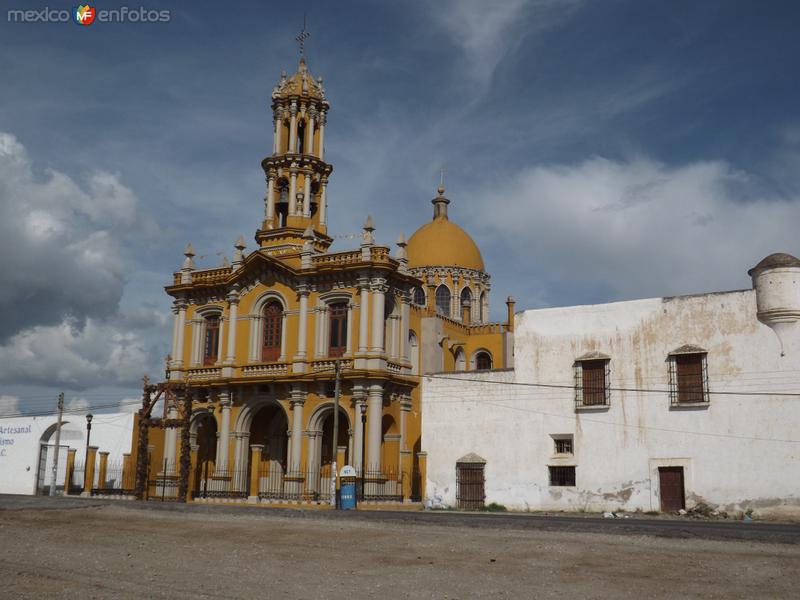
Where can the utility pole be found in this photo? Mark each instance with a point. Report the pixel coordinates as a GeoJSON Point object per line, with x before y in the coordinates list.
{"type": "Point", "coordinates": [337, 389]}
{"type": "Point", "coordinates": [58, 445]}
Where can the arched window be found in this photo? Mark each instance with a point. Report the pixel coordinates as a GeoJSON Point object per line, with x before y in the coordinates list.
{"type": "Point", "coordinates": [413, 351]}
{"type": "Point", "coordinates": [443, 300]}
{"type": "Point", "coordinates": [211, 342]}
{"type": "Point", "coordinates": [461, 360]}
{"type": "Point", "coordinates": [338, 329]}
{"type": "Point", "coordinates": [466, 305]}
{"type": "Point", "coordinates": [483, 361]}
{"type": "Point", "coordinates": [272, 318]}
{"type": "Point", "coordinates": [418, 296]}
{"type": "Point", "coordinates": [301, 136]}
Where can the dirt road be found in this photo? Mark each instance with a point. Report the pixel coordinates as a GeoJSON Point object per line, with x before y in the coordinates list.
{"type": "Point", "coordinates": [119, 552]}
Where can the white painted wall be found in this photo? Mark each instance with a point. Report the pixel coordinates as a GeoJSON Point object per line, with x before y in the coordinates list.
{"type": "Point", "coordinates": [20, 440]}
{"type": "Point", "coordinates": [739, 452]}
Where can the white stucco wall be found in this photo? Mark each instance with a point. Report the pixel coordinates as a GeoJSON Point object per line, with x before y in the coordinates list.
{"type": "Point", "coordinates": [20, 440]}
{"type": "Point", "coordinates": [739, 452]}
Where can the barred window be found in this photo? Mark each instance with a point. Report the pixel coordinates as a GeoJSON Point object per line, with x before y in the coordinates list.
{"type": "Point", "coordinates": [563, 445]}
{"type": "Point", "coordinates": [443, 300]}
{"type": "Point", "coordinates": [562, 476]}
{"type": "Point", "coordinates": [592, 380]}
{"type": "Point", "coordinates": [688, 376]}
{"type": "Point", "coordinates": [338, 329]}
{"type": "Point", "coordinates": [211, 342]}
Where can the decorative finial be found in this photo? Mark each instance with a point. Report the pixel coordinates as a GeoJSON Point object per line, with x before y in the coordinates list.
{"type": "Point", "coordinates": [225, 262]}
{"type": "Point", "coordinates": [189, 252]}
{"type": "Point", "coordinates": [240, 245]}
{"type": "Point", "coordinates": [302, 37]}
{"type": "Point", "coordinates": [369, 225]}
{"type": "Point", "coordinates": [308, 234]}
{"type": "Point", "coordinates": [441, 181]}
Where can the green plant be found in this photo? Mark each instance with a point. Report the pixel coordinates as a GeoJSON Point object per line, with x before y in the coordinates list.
{"type": "Point", "coordinates": [495, 507]}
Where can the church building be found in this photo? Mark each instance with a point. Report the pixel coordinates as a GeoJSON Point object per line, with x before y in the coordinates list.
{"type": "Point", "coordinates": [258, 340]}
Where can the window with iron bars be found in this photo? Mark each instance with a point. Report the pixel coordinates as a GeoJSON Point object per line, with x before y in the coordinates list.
{"type": "Point", "coordinates": [563, 445]}
{"type": "Point", "coordinates": [592, 382]}
{"type": "Point", "coordinates": [688, 378]}
{"type": "Point", "coordinates": [562, 476]}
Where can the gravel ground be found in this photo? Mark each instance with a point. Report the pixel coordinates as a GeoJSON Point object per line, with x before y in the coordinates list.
{"type": "Point", "coordinates": [112, 551]}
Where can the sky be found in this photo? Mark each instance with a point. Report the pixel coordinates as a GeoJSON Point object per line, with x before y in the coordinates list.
{"type": "Point", "coordinates": [596, 151]}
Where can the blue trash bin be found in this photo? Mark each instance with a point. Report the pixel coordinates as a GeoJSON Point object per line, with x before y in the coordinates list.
{"type": "Point", "coordinates": [347, 495]}
{"type": "Point", "coordinates": [347, 488]}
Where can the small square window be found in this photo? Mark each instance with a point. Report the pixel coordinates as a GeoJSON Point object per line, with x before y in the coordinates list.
{"type": "Point", "coordinates": [563, 445]}
{"type": "Point", "coordinates": [562, 476]}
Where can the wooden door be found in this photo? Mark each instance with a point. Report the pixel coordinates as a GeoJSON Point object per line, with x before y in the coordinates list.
{"type": "Point", "coordinates": [670, 481]}
{"type": "Point", "coordinates": [470, 490]}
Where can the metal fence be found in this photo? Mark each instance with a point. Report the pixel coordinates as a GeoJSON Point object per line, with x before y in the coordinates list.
{"type": "Point", "coordinates": [117, 481]}
{"type": "Point", "coordinates": [75, 484]}
{"type": "Point", "coordinates": [272, 483]}
{"type": "Point", "coordinates": [163, 481]}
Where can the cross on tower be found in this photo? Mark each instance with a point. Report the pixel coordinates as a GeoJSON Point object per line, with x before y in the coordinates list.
{"type": "Point", "coordinates": [303, 36]}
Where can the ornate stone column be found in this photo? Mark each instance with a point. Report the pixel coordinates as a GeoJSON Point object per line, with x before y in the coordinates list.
{"type": "Point", "coordinates": [323, 118]}
{"type": "Point", "coordinates": [170, 442]}
{"type": "Point", "coordinates": [363, 328]}
{"type": "Point", "coordinates": [279, 130]}
{"type": "Point", "coordinates": [293, 128]}
{"type": "Point", "coordinates": [379, 306]}
{"type": "Point", "coordinates": [298, 399]}
{"type": "Point", "coordinates": [233, 309]}
{"type": "Point", "coordinates": [374, 426]}
{"type": "Point", "coordinates": [269, 201]}
{"type": "Point", "coordinates": [405, 319]}
{"type": "Point", "coordinates": [323, 201]}
{"type": "Point", "coordinates": [307, 194]}
{"type": "Point", "coordinates": [310, 131]}
{"type": "Point", "coordinates": [181, 326]}
{"type": "Point", "coordinates": [302, 326]}
{"type": "Point", "coordinates": [292, 190]}
{"type": "Point", "coordinates": [223, 442]}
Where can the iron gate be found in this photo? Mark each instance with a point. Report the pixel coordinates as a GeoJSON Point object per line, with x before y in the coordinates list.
{"type": "Point", "coordinates": [470, 493]}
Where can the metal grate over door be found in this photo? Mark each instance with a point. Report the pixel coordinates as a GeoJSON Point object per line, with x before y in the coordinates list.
{"type": "Point", "coordinates": [470, 492]}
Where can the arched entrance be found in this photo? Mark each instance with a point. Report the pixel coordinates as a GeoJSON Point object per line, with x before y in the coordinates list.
{"type": "Point", "coordinates": [321, 448]}
{"type": "Point", "coordinates": [268, 428]}
{"type": "Point", "coordinates": [206, 436]}
{"type": "Point", "coordinates": [70, 432]}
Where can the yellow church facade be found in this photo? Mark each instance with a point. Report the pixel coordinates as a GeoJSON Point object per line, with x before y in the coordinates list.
{"type": "Point", "coordinates": [259, 342]}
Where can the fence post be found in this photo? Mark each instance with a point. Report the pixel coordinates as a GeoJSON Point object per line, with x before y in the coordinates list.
{"type": "Point", "coordinates": [192, 471]}
{"type": "Point", "coordinates": [422, 458]}
{"type": "Point", "coordinates": [70, 470]}
{"type": "Point", "coordinates": [101, 476]}
{"type": "Point", "coordinates": [406, 472]}
{"type": "Point", "coordinates": [126, 473]}
{"type": "Point", "coordinates": [88, 477]}
{"type": "Point", "coordinates": [255, 471]}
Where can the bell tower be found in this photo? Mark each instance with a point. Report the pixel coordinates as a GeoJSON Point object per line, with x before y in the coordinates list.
{"type": "Point", "coordinates": [296, 171]}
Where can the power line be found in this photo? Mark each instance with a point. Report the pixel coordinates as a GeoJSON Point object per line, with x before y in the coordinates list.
{"type": "Point", "coordinates": [613, 389]}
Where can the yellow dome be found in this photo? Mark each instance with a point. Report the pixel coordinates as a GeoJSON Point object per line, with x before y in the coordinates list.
{"type": "Point", "coordinates": [302, 83]}
{"type": "Point", "coordinates": [442, 243]}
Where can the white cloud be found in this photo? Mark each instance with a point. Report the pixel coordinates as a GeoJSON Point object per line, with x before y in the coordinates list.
{"type": "Point", "coordinates": [9, 405]}
{"type": "Point", "coordinates": [78, 404]}
{"type": "Point", "coordinates": [486, 30]}
{"type": "Point", "coordinates": [62, 244]}
{"type": "Point", "coordinates": [75, 356]}
{"type": "Point", "coordinates": [636, 228]}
